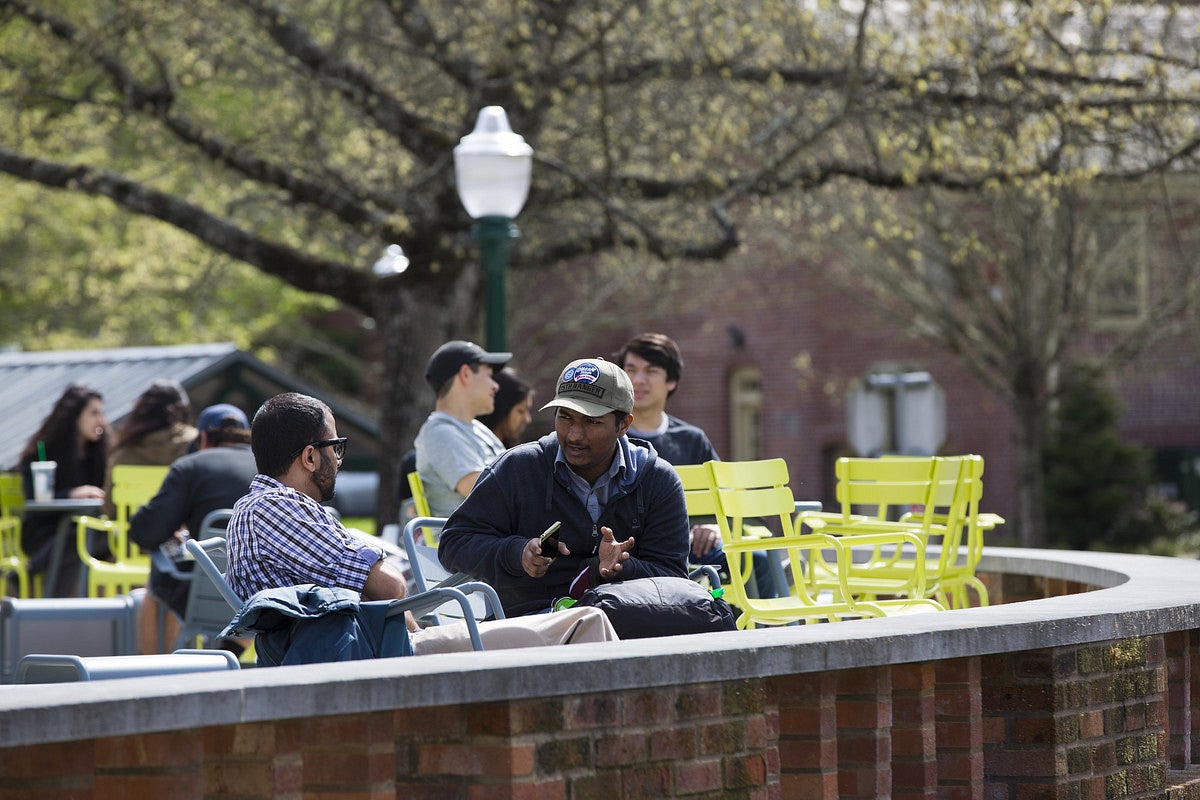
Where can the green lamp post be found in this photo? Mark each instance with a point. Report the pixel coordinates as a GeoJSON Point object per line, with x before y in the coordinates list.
{"type": "Point", "coordinates": [492, 171]}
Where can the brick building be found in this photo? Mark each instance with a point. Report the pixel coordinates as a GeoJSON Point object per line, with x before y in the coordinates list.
{"type": "Point", "coordinates": [770, 341]}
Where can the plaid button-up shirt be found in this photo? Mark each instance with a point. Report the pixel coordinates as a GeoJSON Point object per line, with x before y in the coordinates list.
{"type": "Point", "coordinates": [281, 537]}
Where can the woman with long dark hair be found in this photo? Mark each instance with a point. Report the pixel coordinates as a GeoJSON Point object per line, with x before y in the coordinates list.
{"type": "Point", "coordinates": [75, 435]}
{"type": "Point", "coordinates": [157, 431]}
{"type": "Point", "coordinates": [513, 409]}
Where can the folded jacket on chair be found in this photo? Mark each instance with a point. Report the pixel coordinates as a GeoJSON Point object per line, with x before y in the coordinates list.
{"type": "Point", "coordinates": [309, 624]}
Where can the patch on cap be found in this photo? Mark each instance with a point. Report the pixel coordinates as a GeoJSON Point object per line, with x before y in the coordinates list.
{"type": "Point", "coordinates": [594, 387]}
{"type": "Point", "coordinates": [587, 372]}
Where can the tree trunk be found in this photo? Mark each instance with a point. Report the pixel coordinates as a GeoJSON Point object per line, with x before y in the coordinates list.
{"type": "Point", "coordinates": [416, 318]}
{"type": "Point", "coordinates": [1029, 439]}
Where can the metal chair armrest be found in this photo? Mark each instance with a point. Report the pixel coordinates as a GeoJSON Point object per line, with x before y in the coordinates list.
{"type": "Point", "coordinates": [432, 598]}
{"type": "Point", "coordinates": [708, 570]}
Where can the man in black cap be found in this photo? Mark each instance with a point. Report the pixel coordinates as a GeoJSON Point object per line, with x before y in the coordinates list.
{"type": "Point", "coordinates": [212, 478]}
{"type": "Point", "coordinates": [452, 446]}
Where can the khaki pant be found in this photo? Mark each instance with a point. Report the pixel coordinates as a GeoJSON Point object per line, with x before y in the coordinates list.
{"type": "Point", "coordinates": [572, 626]}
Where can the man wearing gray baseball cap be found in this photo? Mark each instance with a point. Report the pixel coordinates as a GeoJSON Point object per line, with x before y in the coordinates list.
{"type": "Point", "coordinates": [619, 508]}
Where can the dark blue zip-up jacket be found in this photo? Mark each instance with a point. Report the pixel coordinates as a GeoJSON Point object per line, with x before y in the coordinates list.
{"type": "Point", "coordinates": [519, 496]}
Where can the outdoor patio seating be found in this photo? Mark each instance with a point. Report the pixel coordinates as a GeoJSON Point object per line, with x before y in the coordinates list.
{"type": "Point", "coordinates": [83, 626]}
{"type": "Point", "coordinates": [41, 668]}
{"type": "Point", "coordinates": [764, 495]}
{"type": "Point", "coordinates": [421, 506]}
{"type": "Point", "coordinates": [935, 498]}
{"type": "Point", "coordinates": [13, 559]}
{"type": "Point", "coordinates": [702, 507]}
{"type": "Point", "coordinates": [428, 573]}
{"type": "Point", "coordinates": [208, 610]}
{"type": "Point", "coordinates": [132, 487]}
{"type": "Point", "coordinates": [211, 555]}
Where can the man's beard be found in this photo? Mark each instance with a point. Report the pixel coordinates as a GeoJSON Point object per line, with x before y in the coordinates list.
{"type": "Point", "coordinates": [325, 478]}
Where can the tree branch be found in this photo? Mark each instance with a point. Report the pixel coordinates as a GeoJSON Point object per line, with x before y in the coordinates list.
{"type": "Point", "coordinates": [305, 271]}
{"type": "Point", "coordinates": [413, 131]}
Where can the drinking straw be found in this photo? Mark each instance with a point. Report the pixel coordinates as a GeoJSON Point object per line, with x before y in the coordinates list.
{"type": "Point", "coordinates": [41, 451]}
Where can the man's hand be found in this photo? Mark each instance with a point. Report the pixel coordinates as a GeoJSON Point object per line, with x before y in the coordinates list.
{"type": "Point", "coordinates": [612, 553]}
{"type": "Point", "coordinates": [705, 539]}
{"type": "Point", "coordinates": [386, 581]}
{"type": "Point", "coordinates": [532, 560]}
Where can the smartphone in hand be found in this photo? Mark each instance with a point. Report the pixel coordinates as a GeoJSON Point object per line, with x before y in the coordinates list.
{"type": "Point", "coordinates": [549, 542]}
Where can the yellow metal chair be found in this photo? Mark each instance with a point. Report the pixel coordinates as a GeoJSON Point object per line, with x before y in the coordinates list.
{"type": "Point", "coordinates": [962, 529]}
{"type": "Point", "coordinates": [758, 490]}
{"type": "Point", "coordinates": [934, 498]}
{"type": "Point", "coordinates": [702, 507]}
{"type": "Point", "coordinates": [12, 494]}
{"type": "Point", "coordinates": [700, 501]}
{"type": "Point", "coordinates": [132, 487]}
{"type": "Point", "coordinates": [420, 501]}
{"type": "Point", "coordinates": [421, 505]}
{"type": "Point", "coordinates": [872, 494]}
{"type": "Point", "coordinates": [13, 559]}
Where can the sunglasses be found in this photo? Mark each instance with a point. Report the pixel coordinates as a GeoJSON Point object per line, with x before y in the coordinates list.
{"type": "Point", "coordinates": [338, 445]}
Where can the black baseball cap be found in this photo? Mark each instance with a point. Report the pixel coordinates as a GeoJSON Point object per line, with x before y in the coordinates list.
{"type": "Point", "coordinates": [448, 359]}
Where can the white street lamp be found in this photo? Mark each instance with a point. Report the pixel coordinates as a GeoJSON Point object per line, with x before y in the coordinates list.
{"type": "Point", "coordinates": [492, 170]}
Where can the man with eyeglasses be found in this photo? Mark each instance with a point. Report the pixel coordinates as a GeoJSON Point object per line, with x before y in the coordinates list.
{"type": "Point", "coordinates": [282, 536]}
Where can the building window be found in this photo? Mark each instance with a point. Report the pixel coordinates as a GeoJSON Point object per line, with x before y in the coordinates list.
{"type": "Point", "coordinates": [1118, 249]}
{"type": "Point", "coordinates": [745, 409]}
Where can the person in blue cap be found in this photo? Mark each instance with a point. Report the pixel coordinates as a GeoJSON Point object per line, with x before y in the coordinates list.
{"type": "Point", "coordinates": [212, 478]}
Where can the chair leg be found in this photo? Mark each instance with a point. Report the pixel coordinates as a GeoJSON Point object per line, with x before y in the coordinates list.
{"type": "Point", "coordinates": [158, 627]}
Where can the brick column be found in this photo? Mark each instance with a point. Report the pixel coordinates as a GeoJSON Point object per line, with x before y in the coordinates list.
{"type": "Point", "coordinates": [254, 760]}
{"type": "Point", "coordinates": [55, 771]}
{"type": "Point", "coordinates": [149, 765]}
{"type": "Point", "coordinates": [470, 751]}
{"type": "Point", "coordinates": [1179, 650]}
{"type": "Point", "coordinates": [808, 751]}
{"type": "Point", "coordinates": [1193, 638]}
{"type": "Point", "coordinates": [959, 730]}
{"type": "Point", "coordinates": [914, 756]}
{"type": "Point", "coordinates": [350, 756]}
{"type": "Point", "coordinates": [864, 732]}
{"type": "Point", "coordinates": [1084, 721]}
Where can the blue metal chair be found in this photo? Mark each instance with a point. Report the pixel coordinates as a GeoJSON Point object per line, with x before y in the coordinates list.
{"type": "Point", "coordinates": [212, 579]}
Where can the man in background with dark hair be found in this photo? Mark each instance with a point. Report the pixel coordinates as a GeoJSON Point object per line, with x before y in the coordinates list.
{"type": "Point", "coordinates": [212, 478]}
{"type": "Point", "coordinates": [654, 366]}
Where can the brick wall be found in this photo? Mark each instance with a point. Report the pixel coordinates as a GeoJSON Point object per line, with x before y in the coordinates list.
{"type": "Point", "coordinates": [1099, 719]}
{"type": "Point", "coordinates": [1066, 722]}
{"type": "Point", "coordinates": [770, 307]}
{"type": "Point", "coordinates": [1078, 693]}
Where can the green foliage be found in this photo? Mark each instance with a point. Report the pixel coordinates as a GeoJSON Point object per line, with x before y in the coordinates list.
{"type": "Point", "coordinates": [77, 274]}
{"type": "Point", "coordinates": [1165, 528]}
{"type": "Point", "coordinates": [326, 126]}
{"type": "Point", "coordinates": [1098, 488]}
{"type": "Point", "coordinates": [301, 138]}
